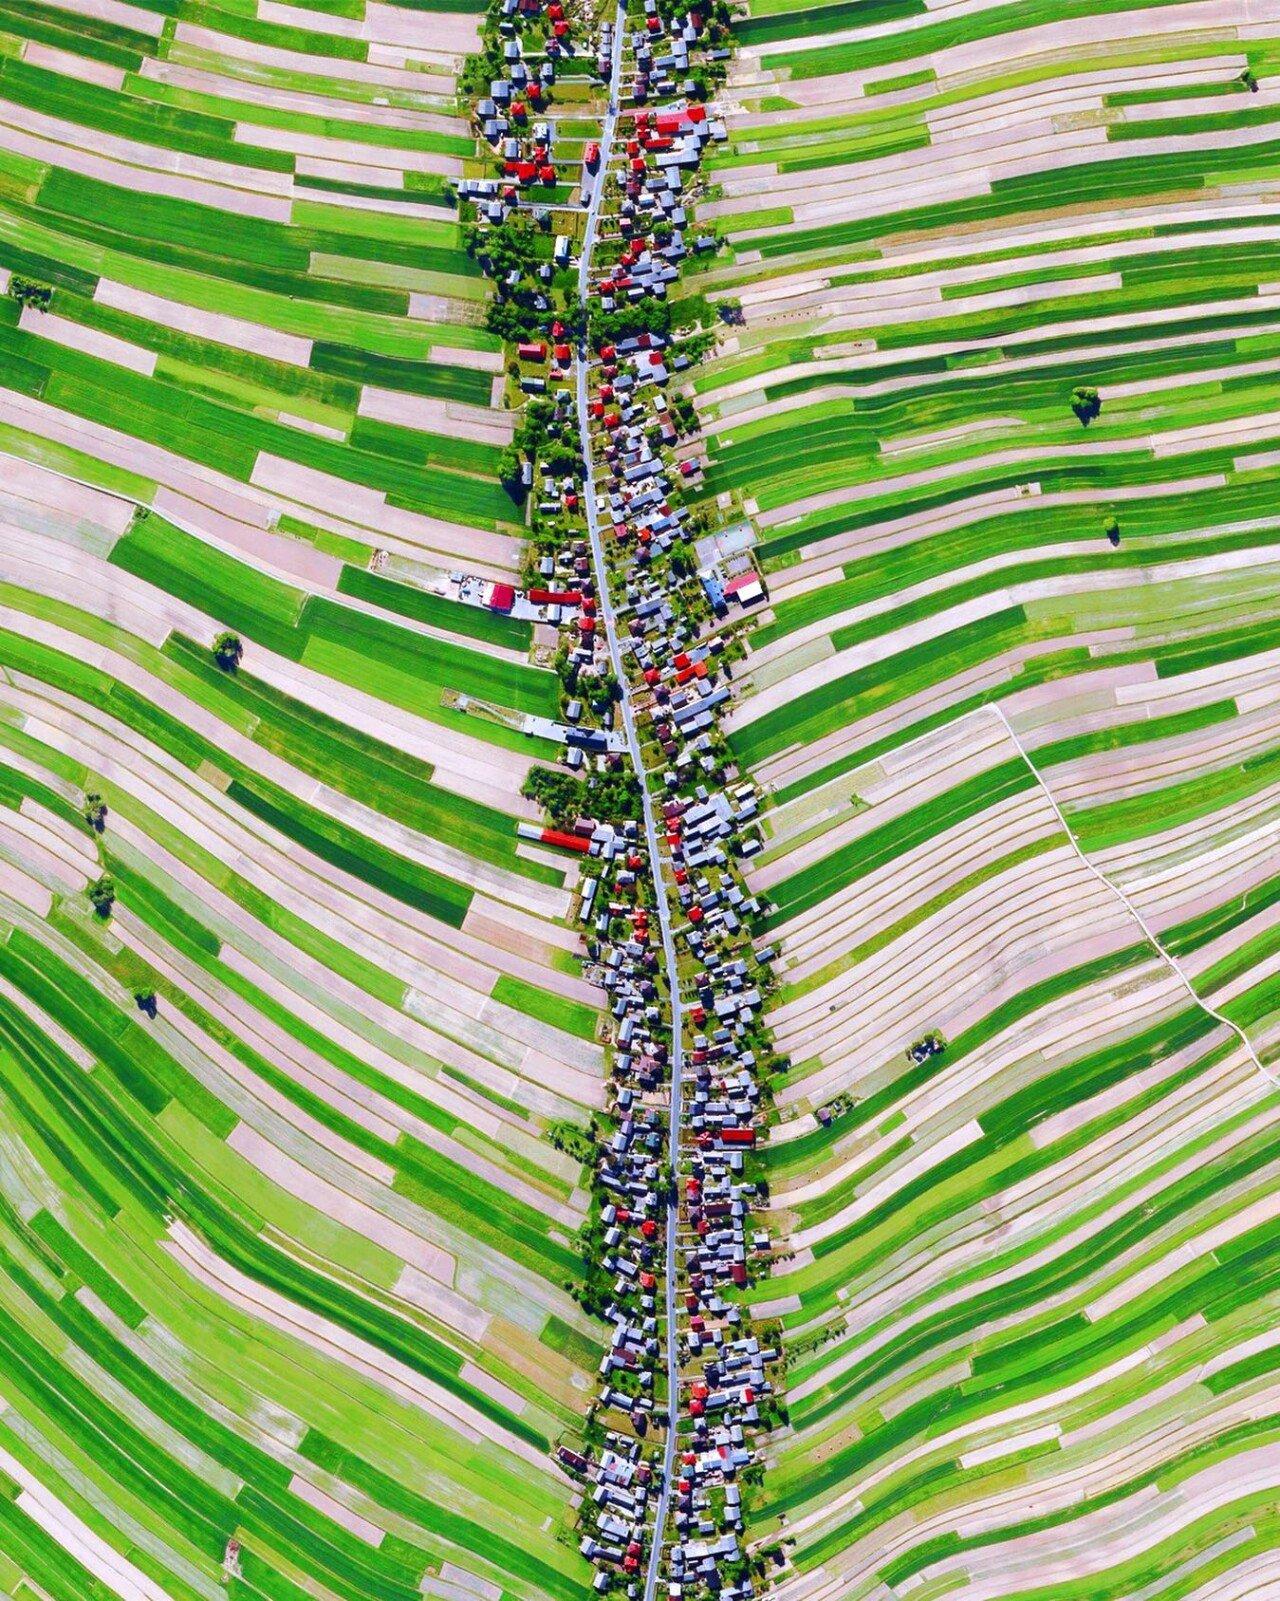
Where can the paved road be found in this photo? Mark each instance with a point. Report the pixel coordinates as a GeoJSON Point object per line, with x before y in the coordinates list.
{"type": "Point", "coordinates": [650, 821]}
{"type": "Point", "coordinates": [607, 131]}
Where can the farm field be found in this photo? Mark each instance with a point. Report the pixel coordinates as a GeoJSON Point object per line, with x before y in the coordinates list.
{"type": "Point", "coordinates": [1001, 406]}
{"type": "Point", "coordinates": [279, 1190]}
{"type": "Point", "coordinates": [297, 1061]}
{"type": "Point", "coordinates": [261, 301]}
{"type": "Point", "coordinates": [302, 1077]}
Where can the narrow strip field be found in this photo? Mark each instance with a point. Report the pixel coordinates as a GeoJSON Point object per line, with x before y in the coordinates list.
{"type": "Point", "coordinates": [1000, 405]}
{"type": "Point", "coordinates": [297, 1060]}
{"type": "Point", "coordinates": [236, 276]}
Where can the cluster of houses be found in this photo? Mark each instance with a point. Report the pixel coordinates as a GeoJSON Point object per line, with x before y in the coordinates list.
{"type": "Point", "coordinates": [709, 816]}
{"type": "Point", "coordinates": [633, 1186]}
{"type": "Point", "coordinates": [675, 623]}
{"type": "Point", "coordinates": [663, 150]}
{"type": "Point", "coordinates": [508, 118]}
{"type": "Point", "coordinates": [661, 55]}
{"type": "Point", "coordinates": [678, 681]}
{"type": "Point", "coordinates": [537, 38]}
{"type": "Point", "coordinates": [726, 1371]}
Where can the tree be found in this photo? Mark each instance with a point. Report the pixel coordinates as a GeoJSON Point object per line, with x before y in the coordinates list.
{"type": "Point", "coordinates": [560, 458]}
{"type": "Point", "coordinates": [1111, 528]}
{"type": "Point", "coordinates": [512, 247]}
{"type": "Point", "coordinates": [686, 413]}
{"type": "Point", "coordinates": [509, 471]}
{"type": "Point", "coordinates": [27, 292]}
{"type": "Point", "coordinates": [227, 651]}
{"type": "Point", "coordinates": [529, 435]}
{"type": "Point", "coordinates": [511, 320]}
{"type": "Point", "coordinates": [558, 793]}
{"type": "Point", "coordinates": [102, 895]}
{"type": "Point", "coordinates": [146, 1001]}
{"type": "Point", "coordinates": [1249, 80]}
{"type": "Point", "coordinates": [1086, 403]}
{"type": "Point", "coordinates": [95, 811]}
{"type": "Point", "coordinates": [641, 316]}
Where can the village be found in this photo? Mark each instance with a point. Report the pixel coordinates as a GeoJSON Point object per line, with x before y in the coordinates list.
{"type": "Point", "coordinates": [639, 800]}
{"type": "Point", "coordinates": [644, 605]}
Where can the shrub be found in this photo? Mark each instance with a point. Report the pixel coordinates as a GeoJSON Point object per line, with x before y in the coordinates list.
{"type": "Point", "coordinates": [1111, 528]}
{"type": "Point", "coordinates": [95, 811]}
{"type": "Point", "coordinates": [30, 293]}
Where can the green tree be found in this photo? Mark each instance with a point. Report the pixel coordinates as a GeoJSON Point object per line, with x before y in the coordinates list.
{"type": "Point", "coordinates": [509, 464]}
{"type": "Point", "coordinates": [1086, 403]}
{"type": "Point", "coordinates": [27, 292]}
{"type": "Point", "coordinates": [560, 458]}
{"type": "Point", "coordinates": [228, 651]}
{"type": "Point", "coordinates": [95, 811]}
{"type": "Point", "coordinates": [102, 895]}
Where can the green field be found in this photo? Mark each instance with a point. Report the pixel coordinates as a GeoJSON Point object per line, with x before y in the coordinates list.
{"type": "Point", "coordinates": [1012, 699]}
{"type": "Point", "coordinates": [289, 1252]}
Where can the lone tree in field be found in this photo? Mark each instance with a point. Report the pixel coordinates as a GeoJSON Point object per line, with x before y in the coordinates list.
{"type": "Point", "coordinates": [227, 651]}
{"type": "Point", "coordinates": [27, 292]}
{"type": "Point", "coordinates": [1086, 403]}
{"type": "Point", "coordinates": [102, 895]}
{"type": "Point", "coordinates": [146, 1000]}
{"type": "Point", "coordinates": [1249, 79]}
{"type": "Point", "coordinates": [1111, 528]}
{"type": "Point", "coordinates": [95, 811]}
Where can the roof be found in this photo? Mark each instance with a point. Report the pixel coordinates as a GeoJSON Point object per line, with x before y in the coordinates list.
{"type": "Point", "coordinates": [743, 581]}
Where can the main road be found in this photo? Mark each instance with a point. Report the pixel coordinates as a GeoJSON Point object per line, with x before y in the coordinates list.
{"type": "Point", "coordinates": [652, 836]}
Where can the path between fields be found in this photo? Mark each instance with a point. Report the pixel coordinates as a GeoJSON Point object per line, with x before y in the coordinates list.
{"type": "Point", "coordinates": [1132, 910]}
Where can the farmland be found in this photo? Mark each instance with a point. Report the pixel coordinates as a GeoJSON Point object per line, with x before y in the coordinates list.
{"type": "Point", "coordinates": [999, 405]}
{"type": "Point", "coordinates": [279, 1185]}
{"type": "Point", "coordinates": [297, 1060]}
{"type": "Point", "coordinates": [879, 1029]}
{"type": "Point", "coordinates": [258, 282]}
